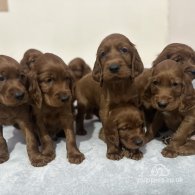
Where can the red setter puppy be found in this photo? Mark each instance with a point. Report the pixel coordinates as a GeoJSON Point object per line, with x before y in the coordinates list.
{"type": "Point", "coordinates": [181, 53]}
{"type": "Point", "coordinates": [126, 132]}
{"type": "Point", "coordinates": [176, 51]}
{"type": "Point", "coordinates": [79, 68]}
{"type": "Point", "coordinates": [88, 99]}
{"type": "Point", "coordinates": [117, 64]}
{"type": "Point", "coordinates": [14, 109]}
{"type": "Point", "coordinates": [29, 58]}
{"type": "Point", "coordinates": [51, 90]}
{"type": "Point", "coordinates": [172, 94]}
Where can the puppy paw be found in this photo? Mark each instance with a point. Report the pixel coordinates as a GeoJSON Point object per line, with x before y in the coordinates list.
{"type": "Point", "coordinates": [49, 155]}
{"type": "Point", "coordinates": [4, 154]}
{"type": "Point", "coordinates": [76, 158]}
{"type": "Point", "coordinates": [4, 158]}
{"type": "Point", "coordinates": [169, 152]}
{"type": "Point", "coordinates": [134, 154]}
{"type": "Point", "coordinates": [114, 156]}
{"type": "Point", "coordinates": [38, 160]}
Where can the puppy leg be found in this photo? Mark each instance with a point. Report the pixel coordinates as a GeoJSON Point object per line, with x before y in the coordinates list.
{"type": "Point", "coordinates": [113, 152]}
{"type": "Point", "coordinates": [36, 158]}
{"type": "Point", "coordinates": [73, 153]}
{"type": "Point", "coordinates": [47, 143]}
{"type": "Point", "coordinates": [187, 149]}
{"type": "Point", "coordinates": [80, 130]}
{"type": "Point", "coordinates": [4, 154]}
{"type": "Point", "coordinates": [179, 138]}
{"type": "Point", "coordinates": [154, 126]}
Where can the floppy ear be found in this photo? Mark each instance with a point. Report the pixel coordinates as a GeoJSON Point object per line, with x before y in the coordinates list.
{"type": "Point", "coordinates": [111, 132]}
{"type": "Point", "coordinates": [137, 65]}
{"type": "Point", "coordinates": [97, 72]}
{"type": "Point", "coordinates": [188, 95]}
{"type": "Point", "coordinates": [34, 90]}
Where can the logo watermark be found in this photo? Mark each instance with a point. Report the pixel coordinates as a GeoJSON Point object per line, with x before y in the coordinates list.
{"type": "Point", "coordinates": [158, 174]}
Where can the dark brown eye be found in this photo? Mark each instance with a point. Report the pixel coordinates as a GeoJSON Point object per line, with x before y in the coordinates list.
{"type": "Point", "coordinates": [124, 50]}
{"type": "Point", "coordinates": [102, 54]}
{"type": "Point", "coordinates": [155, 82]}
{"type": "Point", "coordinates": [49, 80]}
{"type": "Point", "coordinates": [67, 78]}
{"type": "Point", "coordinates": [175, 84]}
{"type": "Point", "coordinates": [2, 78]}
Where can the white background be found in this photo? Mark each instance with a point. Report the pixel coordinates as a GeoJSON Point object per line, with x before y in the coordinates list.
{"type": "Point", "coordinates": [74, 28]}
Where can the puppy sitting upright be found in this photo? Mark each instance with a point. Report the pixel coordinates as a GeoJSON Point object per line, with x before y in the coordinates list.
{"type": "Point", "coordinates": [125, 132]}
{"type": "Point", "coordinates": [14, 109]}
{"type": "Point", "coordinates": [172, 95]}
{"type": "Point", "coordinates": [51, 90]}
{"type": "Point", "coordinates": [117, 64]}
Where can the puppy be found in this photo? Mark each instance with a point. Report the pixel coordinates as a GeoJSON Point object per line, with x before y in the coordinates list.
{"type": "Point", "coordinates": [172, 95]}
{"type": "Point", "coordinates": [117, 64]}
{"type": "Point", "coordinates": [14, 109]}
{"type": "Point", "coordinates": [88, 99]}
{"type": "Point", "coordinates": [128, 135]}
{"type": "Point", "coordinates": [181, 53]}
{"type": "Point", "coordinates": [79, 68]}
{"type": "Point", "coordinates": [178, 52]}
{"type": "Point", "coordinates": [51, 91]}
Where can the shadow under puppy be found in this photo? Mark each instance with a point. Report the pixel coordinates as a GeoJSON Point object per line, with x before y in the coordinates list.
{"type": "Point", "coordinates": [173, 96]}
{"type": "Point", "coordinates": [52, 91]}
{"type": "Point", "coordinates": [14, 109]}
{"type": "Point", "coordinates": [126, 124]}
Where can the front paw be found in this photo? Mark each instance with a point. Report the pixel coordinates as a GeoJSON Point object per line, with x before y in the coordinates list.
{"type": "Point", "coordinates": [135, 155]}
{"type": "Point", "coordinates": [114, 156]}
{"type": "Point", "coordinates": [4, 157]}
{"type": "Point", "coordinates": [38, 160]}
{"type": "Point", "coordinates": [49, 154]}
{"type": "Point", "coordinates": [76, 158]}
{"type": "Point", "coordinates": [4, 154]}
{"type": "Point", "coordinates": [169, 152]}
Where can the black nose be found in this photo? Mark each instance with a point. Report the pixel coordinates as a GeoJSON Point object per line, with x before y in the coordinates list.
{"type": "Point", "coordinates": [19, 95]}
{"type": "Point", "coordinates": [162, 104]}
{"type": "Point", "coordinates": [138, 141]}
{"type": "Point", "coordinates": [64, 98]}
{"type": "Point", "coordinates": [114, 68]}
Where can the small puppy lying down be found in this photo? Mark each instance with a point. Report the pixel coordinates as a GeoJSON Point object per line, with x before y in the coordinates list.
{"type": "Point", "coordinates": [125, 133]}
{"type": "Point", "coordinates": [14, 109]}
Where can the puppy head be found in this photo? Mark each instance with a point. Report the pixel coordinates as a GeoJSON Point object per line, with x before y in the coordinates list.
{"type": "Point", "coordinates": [168, 85]}
{"type": "Point", "coordinates": [178, 52]}
{"type": "Point", "coordinates": [13, 83]}
{"type": "Point", "coordinates": [79, 68]}
{"type": "Point", "coordinates": [128, 125]}
{"type": "Point", "coordinates": [52, 82]}
{"type": "Point", "coordinates": [29, 58]}
{"type": "Point", "coordinates": [117, 58]}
